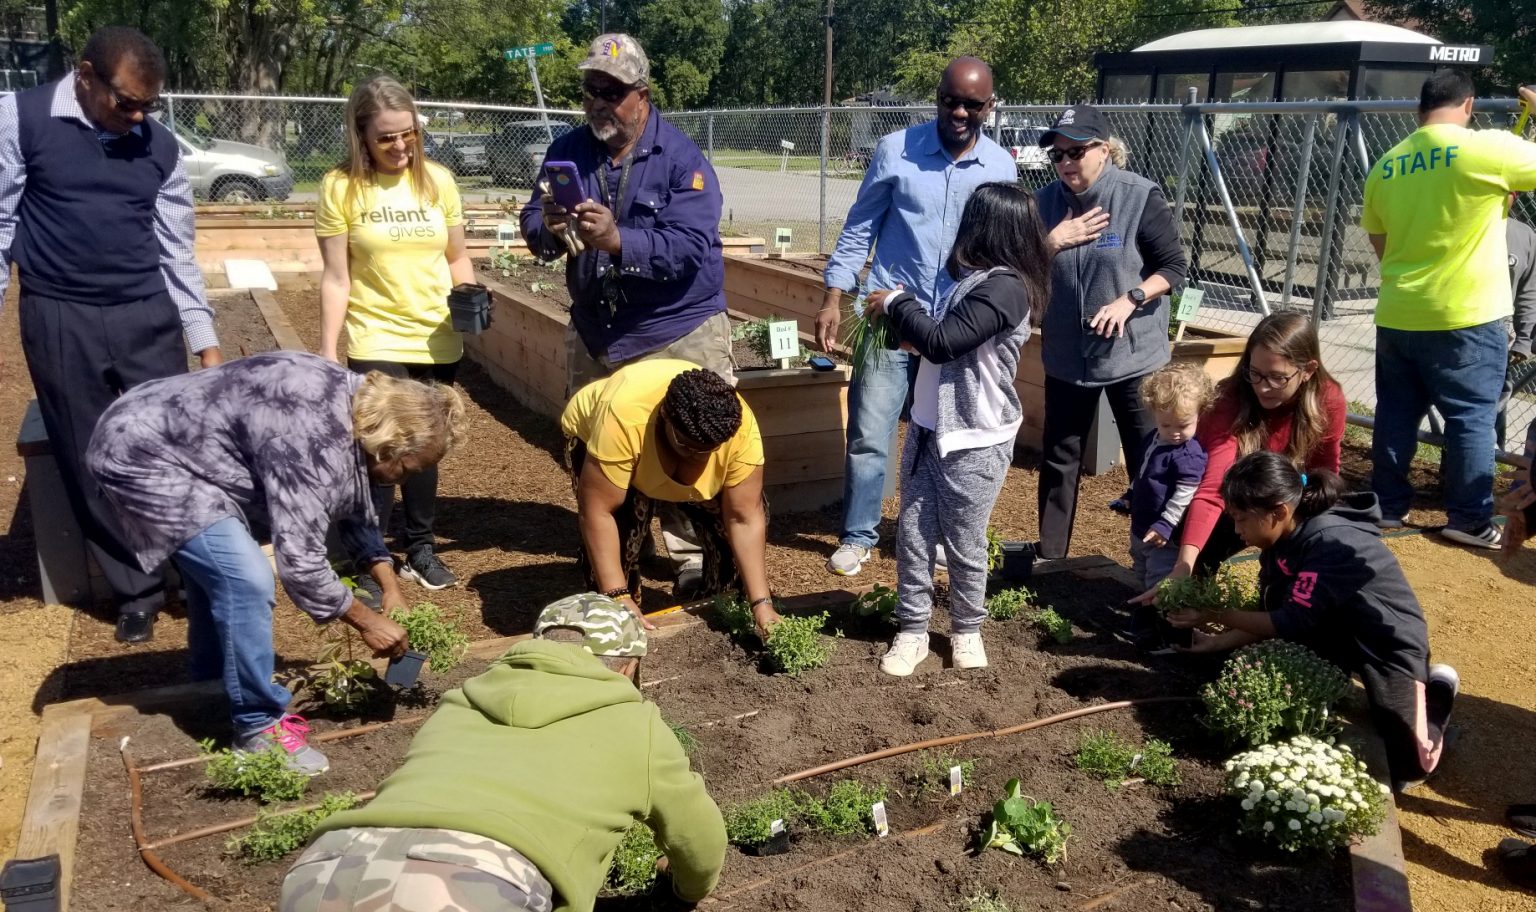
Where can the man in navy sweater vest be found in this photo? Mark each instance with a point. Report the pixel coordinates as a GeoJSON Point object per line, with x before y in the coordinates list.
{"type": "Point", "coordinates": [96, 215]}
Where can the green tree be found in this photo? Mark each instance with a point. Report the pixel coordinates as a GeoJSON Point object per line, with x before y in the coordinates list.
{"type": "Point", "coordinates": [1508, 25]}
{"type": "Point", "coordinates": [684, 40]}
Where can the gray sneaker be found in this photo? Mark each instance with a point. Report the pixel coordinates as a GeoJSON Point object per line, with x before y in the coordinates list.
{"type": "Point", "coordinates": [848, 559]}
{"type": "Point", "coordinates": [290, 734]}
{"type": "Point", "coordinates": [422, 567]}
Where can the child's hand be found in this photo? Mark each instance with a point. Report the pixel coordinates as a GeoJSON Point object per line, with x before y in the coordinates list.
{"type": "Point", "coordinates": [1153, 539]}
{"type": "Point", "coordinates": [1150, 596]}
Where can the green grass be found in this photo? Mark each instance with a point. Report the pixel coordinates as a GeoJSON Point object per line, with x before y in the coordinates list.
{"type": "Point", "coordinates": [753, 160]}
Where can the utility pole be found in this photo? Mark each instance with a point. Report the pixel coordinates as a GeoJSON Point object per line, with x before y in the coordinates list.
{"type": "Point", "coordinates": [826, 94]}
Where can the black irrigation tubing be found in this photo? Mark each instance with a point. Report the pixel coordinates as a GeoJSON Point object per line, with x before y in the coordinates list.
{"type": "Point", "coordinates": [957, 739]}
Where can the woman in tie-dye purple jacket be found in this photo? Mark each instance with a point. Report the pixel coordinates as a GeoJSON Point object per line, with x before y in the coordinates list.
{"type": "Point", "coordinates": [287, 441]}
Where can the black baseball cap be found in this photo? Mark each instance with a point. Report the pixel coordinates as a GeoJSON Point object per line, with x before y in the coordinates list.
{"type": "Point", "coordinates": [1082, 123]}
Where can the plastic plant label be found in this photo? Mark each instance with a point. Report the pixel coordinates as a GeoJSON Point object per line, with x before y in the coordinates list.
{"type": "Point", "coordinates": [781, 237]}
{"type": "Point", "coordinates": [1135, 762]}
{"type": "Point", "coordinates": [506, 231]}
{"type": "Point", "coordinates": [882, 824]}
{"type": "Point", "coordinates": [956, 780]}
{"type": "Point", "coordinates": [784, 340]}
{"type": "Point", "coordinates": [776, 827]}
{"type": "Point", "coordinates": [1189, 304]}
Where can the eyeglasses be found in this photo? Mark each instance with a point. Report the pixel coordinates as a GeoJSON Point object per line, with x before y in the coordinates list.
{"type": "Point", "coordinates": [1075, 153]}
{"type": "Point", "coordinates": [386, 140]}
{"type": "Point", "coordinates": [1273, 381]}
{"type": "Point", "coordinates": [684, 448]}
{"type": "Point", "coordinates": [613, 94]}
{"type": "Point", "coordinates": [131, 106]}
{"type": "Point", "coordinates": [971, 105]}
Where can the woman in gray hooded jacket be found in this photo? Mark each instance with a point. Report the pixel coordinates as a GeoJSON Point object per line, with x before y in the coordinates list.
{"type": "Point", "coordinates": [1117, 254]}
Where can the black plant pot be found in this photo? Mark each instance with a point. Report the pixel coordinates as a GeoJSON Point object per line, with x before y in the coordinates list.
{"type": "Point", "coordinates": [1018, 561]}
{"type": "Point", "coordinates": [776, 845]}
{"type": "Point", "coordinates": [404, 670]}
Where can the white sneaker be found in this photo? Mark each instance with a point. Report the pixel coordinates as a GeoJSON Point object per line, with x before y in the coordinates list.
{"type": "Point", "coordinates": [1486, 537]}
{"type": "Point", "coordinates": [966, 650]}
{"type": "Point", "coordinates": [848, 559]}
{"type": "Point", "coordinates": [907, 651]}
{"type": "Point", "coordinates": [940, 562]}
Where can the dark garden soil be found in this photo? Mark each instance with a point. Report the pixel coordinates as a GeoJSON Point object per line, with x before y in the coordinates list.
{"type": "Point", "coordinates": [242, 328]}
{"type": "Point", "coordinates": [1151, 847]}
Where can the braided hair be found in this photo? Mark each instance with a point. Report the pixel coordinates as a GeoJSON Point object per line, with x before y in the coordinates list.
{"type": "Point", "coordinates": [703, 407]}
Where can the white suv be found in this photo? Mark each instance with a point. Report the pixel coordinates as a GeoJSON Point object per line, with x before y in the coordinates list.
{"type": "Point", "coordinates": [233, 172]}
{"type": "Point", "coordinates": [1023, 143]}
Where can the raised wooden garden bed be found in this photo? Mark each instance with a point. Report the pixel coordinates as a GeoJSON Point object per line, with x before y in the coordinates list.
{"type": "Point", "coordinates": [803, 413]}
{"type": "Point", "coordinates": [1136, 847]}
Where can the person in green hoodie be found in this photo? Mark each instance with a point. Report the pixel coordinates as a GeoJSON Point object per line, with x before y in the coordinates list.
{"type": "Point", "coordinates": [517, 790]}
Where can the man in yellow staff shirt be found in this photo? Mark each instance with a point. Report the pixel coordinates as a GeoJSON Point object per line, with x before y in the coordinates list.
{"type": "Point", "coordinates": [667, 430]}
{"type": "Point", "coordinates": [1434, 212]}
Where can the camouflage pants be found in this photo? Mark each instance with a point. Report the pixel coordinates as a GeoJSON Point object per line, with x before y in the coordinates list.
{"type": "Point", "coordinates": [389, 869]}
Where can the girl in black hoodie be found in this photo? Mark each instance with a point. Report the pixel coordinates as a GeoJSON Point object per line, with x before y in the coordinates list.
{"type": "Point", "coordinates": [1328, 582]}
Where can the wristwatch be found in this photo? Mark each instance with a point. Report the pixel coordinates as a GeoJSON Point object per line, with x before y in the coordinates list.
{"type": "Point", "coordinates": [1137, 296]}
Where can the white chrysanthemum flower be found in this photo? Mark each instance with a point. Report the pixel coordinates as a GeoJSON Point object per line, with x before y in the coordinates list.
{"type": "Point", "coordinates": [1269, 826]}
{"type": "Point", "coordinates": [1294, 824]}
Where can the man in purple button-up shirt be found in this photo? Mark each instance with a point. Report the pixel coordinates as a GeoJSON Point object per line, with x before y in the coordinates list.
{"type": "Point", "coordinates": [649, 281]}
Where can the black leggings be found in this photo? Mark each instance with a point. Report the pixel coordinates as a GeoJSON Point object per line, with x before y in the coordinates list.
{"type": "Point", "coordinates": [418, 493]}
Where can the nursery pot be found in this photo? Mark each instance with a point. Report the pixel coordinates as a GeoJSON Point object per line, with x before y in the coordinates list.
{"type": "Point", "coordinates": [404, 670]}
{"type": "Point", "coordinates": [1018, 561]}
{"type": "Point", "coordinates": [31, 885]}
{"type": "Point", "coordinates": [470, 306]}
{"type": "Point", "coordinates": [776, 845]}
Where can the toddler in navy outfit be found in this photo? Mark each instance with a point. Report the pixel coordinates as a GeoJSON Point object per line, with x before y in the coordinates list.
{"type": "Point", "coordinates": [1171, 469]}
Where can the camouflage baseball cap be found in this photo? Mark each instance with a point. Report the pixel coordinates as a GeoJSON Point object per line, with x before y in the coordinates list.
{"type": "Point", "coordinates": [607, 627]}
{"type": "Point", "coordinates": [621, 57]}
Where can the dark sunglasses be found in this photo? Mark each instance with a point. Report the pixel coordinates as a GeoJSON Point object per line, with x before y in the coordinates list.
{"type": "Point", "coordinates": [130, 106]}
{"type": "Point", "coordinates": [613, 94]}
{"type": "Point", "coordinates": [386, 140]}
{"type": "Point", "coordinates": [1075, 153]}
{"type": "Point", "coordinates": [971, 105]}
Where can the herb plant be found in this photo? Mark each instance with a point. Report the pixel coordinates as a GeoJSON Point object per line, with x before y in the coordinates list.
{"type": "Point", "coordinates": [1226, 591]}
{"type": "Point", "coordinates": [865, 334]}
{"type": "Point", "coordinates": [684, 737]}
{"type": "Point", "coordinates": [988, 901]}
{"type": "Point", "coordinates": [261, 774]}
{"type": "Point", "coordinates": [1025, 826]}
{"type": "Point", "coordinates": [275, 835]}
{"type": "Point", "coordinates": [1106, 756]}
{"type": "Point", "coordinates": [844, 812]}
{"type": "Point", "coordinates": [994, 550]}
{"type": "Point", "coordinates": [932, 773]}
{"type": "Point", "coordinates": [1273, 689]}
{"type": "Point", "coordinates": [1305, 794]}
{"type": "Point", "coordinates": [339, 678]}
{"type": "Point", "coordinates": [735, 616]}
{"type": "Point", "coordinates": [795, 644]}
{"type": "Point", "coordinates": [879, 602]}
{"type": "Point", "coordinates": [751, 824]}
{"type": "Point", "coordinates": [633, 869]}
{"type": "Point", "coordinates": [1052, 624]}
{"type": "Point", "coordinates": [429, 632]}
{"type": "Point", "coordinates": [1008, 604]}
{"type": "Point", "coordinates": [758, 338]}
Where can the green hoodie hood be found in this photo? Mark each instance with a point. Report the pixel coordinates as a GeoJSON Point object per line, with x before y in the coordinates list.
{"type": "Point", "coordinates": [552, 754]}
{"type": "Point", "coordinates": [537, 683]}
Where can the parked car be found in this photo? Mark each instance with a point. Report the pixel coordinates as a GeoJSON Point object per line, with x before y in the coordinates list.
{"type": "Point", "coordinates": [233, 172]}
{"type": "Point", "coordinates": [1023, 143]}
{"type": "Point", "coordinates": [461, 153]}
{"type": "Point", "coordinates": [518, 150]}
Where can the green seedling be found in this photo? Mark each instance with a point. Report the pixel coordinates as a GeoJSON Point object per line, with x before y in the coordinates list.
{"type": "Point", "coordinates": [633, 870]}
{"type": "Point", "coordinates": [1052, 624]}
{"type": "Point", "coordinates": [844, 812]}
{"type": "Point", "coordinates": [263, 775]}
{"type": "Point", "coordinates": [795, 644]}
{"type": "Point", "coordinates": [1009, 603]}
{"type": "Point", "coordinates": [1106, 756]}
{"type": "Point", "coordinates": [751, 824]}
{"type": "Point", "coordinates": [758, 338]}
{"type": "Point", "coordinates": [428, 631]}
{"type": "Point", "coordinates": [1210, 595]}
{"type": "Point", "coordinates": [994, 550]}
{"type": "Point", "coordinates": [339, 678]}
{"type": "Point", "coordinates": [932, 773]}
{"type": "Point", "coordinates": [735, 616]}
{"type": "Point", "coordinates": [879, 602]}
{"type": "Point", "coordinates": [1024, 826]}
{"type": "Point", "coordinates": [275, 835]}
{"type": "Point", "coordinates": [684, 737]}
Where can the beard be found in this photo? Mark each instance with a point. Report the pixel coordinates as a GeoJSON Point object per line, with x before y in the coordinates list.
{"type": "Point", "coordinates": [605, 129]}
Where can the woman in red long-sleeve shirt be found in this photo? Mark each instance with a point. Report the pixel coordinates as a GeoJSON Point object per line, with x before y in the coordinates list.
{"type": "Point", "coordinates": [1281, 399]}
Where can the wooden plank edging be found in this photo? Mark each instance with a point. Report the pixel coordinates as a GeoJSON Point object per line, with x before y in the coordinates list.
{"type": "Point", "coordinates": [51, 822]}
{"type": "Point", "coordinates": [283, 333]}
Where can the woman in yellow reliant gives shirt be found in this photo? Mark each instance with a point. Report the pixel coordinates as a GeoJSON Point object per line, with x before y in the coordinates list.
{"type": "Point", "coordinates": [667, 430]}
{"type": "Point", "coordinates": [391, 231]}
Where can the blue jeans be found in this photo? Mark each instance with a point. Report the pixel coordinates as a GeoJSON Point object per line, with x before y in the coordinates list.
{"type": "Point", "coordinates": [1460, 372]}
{"type": "Point", "coordinates": [875, 398]}
{"type": "Point", "coordinates": [230, 597]}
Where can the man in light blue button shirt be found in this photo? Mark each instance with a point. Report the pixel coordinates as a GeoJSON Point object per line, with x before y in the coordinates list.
{"type": "Point", "coordinates": [908, 209]}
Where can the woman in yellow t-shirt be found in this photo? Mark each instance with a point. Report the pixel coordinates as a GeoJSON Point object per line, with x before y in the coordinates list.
{"type": "Point", "coordinates": [667, 430]}
{"type": "Point", "coordinates": [391, 231]}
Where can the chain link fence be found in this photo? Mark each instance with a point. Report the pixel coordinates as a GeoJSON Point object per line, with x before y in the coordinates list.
{"type": "Point", "coordinates": [1268, 195]}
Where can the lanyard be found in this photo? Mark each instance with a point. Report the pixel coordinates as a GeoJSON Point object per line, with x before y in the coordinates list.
{"type": "Point", "coordinates": [629, 161]}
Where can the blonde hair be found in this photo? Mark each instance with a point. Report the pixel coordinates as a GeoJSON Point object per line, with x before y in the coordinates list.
{"type": "Point", "coordinates": [1119, 153]}
{"type": "Point", "coordinates": [381, 93]}
{"type": "Point", "coordinates": [1182, 389]}
{"type": "Point", "coordinates": [393, 417]}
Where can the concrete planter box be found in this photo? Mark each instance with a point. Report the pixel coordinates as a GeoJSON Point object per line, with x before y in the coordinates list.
{"type": "Point", "coordinates": [803, 414]}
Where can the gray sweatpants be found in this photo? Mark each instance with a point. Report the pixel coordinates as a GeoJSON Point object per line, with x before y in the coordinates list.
{"type": "Point", "coordinates": [945, 500]}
